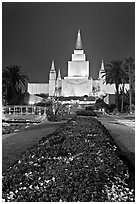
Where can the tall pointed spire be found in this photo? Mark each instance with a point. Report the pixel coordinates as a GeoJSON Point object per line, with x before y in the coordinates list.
{"type": "Point", "coordinates": [102, 72]}
{"type": "Point", "coordinates": [79, 42]}
{"type": "Point", "coordinates": [52, 66]}
{"type": "Point", "coordinates": [102, 65]}
{"type": "Point", "coordinates": [59, 74]}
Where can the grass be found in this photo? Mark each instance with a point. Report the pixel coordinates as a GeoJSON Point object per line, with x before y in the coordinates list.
{"type": "Point", "coordinates": [22, 117]}
{"type": "Point", "coordinates": [15, 144]}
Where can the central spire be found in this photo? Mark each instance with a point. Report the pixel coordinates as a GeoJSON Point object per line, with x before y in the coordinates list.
{"type": "Point", "coordinates": [79, 42]}
{"type": "Point", "coordinates": [52, 66]}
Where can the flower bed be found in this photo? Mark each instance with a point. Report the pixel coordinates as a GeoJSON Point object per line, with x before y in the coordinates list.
{"type": "Point", "coordinates": [11, 126]}
{"type": "Point", "coordinates": [78, 162]}
{"type": "Point", "coordinates": [8, 128]}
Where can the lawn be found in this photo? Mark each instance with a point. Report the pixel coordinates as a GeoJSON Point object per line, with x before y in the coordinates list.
{"type": "Point", "coordinates": [78, 162]}
{"type": "Point", "coordinates": [16, 143]}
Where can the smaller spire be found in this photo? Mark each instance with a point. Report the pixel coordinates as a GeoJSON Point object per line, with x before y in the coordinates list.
{"type": "Point", "coordinates": [79, 42]}
{"type": "Point", "coordinates": [59, 74]}
{"type": "Point", "coordinates": [102, 65]}
{"type": "Point", "coordinates": [52, 66]}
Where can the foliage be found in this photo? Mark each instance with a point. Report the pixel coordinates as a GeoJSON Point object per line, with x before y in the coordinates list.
{"type": "Point", "coordinates": [126, 102]}
{"type": "Point", "coordinates": [114, 73]}
{"type": "Point", "coordinates": [43, 95]}
{"type": "Point", "coordinates": [42, 104]}
{"type": "Point", "coordinates": [89, 108]}
{"type": "Point", "coordinates": [100, 104]}
{"type": "Point", "coordinates": [53, 110]}
{"type": "Point", "coordinates": [129, 63]}
{"type": "Point", "coordinates": [80, 98]}
{"type": "Point", "coordinates": [14, 84]}
{"type": "Point", "coordinates": [121, 72]}
{"type": "Point", "coordinates": [111, 107]}
{"type": "Point", "coordinates": [77, 163]}
{"type": "Point", "coordinates": [49, 111]}
{"type": "Point", "coordinates": [130, 69]}
{"type": "Point", "coordinates": [86, 113]}
{"type": "Point", "coordinates": [50, 114]}
{"type": "Point", "coordinates": [85, 96]}
{"type": "Point", "coordinates": [126, 97]}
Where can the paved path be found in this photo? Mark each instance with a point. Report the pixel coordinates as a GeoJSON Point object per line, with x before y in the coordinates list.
{"type": "Point", "coordinates": [15, 144]}
{"type": "Point", "coordinates": [123, 132]}
{"type": "Point", "coordinates": [128, 121]}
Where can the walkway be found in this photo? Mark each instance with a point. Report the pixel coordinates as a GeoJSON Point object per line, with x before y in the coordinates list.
{"type": "Point", "coordinates": [15, 144]}
{"type": "Point", "coordinates": [122, 129]}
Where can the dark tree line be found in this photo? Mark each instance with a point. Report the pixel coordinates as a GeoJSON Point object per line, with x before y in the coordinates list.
{"type": "Point", "coordinates": [120, 72]}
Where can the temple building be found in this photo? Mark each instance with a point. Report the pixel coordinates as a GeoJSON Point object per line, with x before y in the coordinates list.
{"type": "Point", "coordinates": [77, 83]}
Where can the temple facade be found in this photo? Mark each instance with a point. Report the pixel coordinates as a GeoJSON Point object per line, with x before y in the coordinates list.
{"type": "Point", "coordinates": [78, 82]}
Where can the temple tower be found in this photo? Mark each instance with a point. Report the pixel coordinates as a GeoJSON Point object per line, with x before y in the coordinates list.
{"type": "Point", "coordinates": [102, 73]}
{"type": "Point", "coordinates": [78, 66]}
{"type": "Point", "coordinates": [59, 84]}
{"type": "Point", "coordinates": [52, 79]}
{"type": "Point", "coordinates": [102, 80]}
{"type": "Point", "coordinates": [77, 83]}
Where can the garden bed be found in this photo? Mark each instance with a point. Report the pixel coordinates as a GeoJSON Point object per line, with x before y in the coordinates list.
{"type": "Point", "coordinates": [15, 125]}
{"type": "Point", "coordinates": [78, 162]}
{"type": "Point", "coordinates": [8, 128]}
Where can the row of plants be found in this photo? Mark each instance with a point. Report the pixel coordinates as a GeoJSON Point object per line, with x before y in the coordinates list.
{"type": "Point", "coordinates": [8, 128]}
{"type": "Point", "coordinates": [77, 163]}
{"type": "Point", "coordinates": [100, 105]}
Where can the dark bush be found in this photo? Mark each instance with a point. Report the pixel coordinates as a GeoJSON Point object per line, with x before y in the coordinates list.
{"type": "Point", "coordinates": [42, 104]}
{"type": "Point", "coordinates": [50, 114]}
{"type": "Point", "coordinates": [89, 108]}
{"type": "Point", "coordinates": [86, 113]}
{"type": "Point", "coordinates": [112, 107]}
{"type": "Point", "coordinates": [100, 104]}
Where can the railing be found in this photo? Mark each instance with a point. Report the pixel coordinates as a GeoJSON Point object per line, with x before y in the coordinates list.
{"type": "Point", "coordinates": [24, 110]}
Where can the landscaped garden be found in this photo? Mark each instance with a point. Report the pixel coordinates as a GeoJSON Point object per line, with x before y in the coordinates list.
{"type": "Point", "coordinates": [78, 162]}
{"type": "Point", "coordinates": [8, 128]}
{"type": "Point", "coordinates": [13, 124]}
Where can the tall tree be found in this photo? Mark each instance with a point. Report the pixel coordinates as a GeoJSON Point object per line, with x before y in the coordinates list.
{"type": "Point", "coordinates": [114, 73]}
{"type": "Point", "coordinates": [129, 62]}
{"type": "Point", "coordinates": [124, 80]}
{"type": "Point", "coordinates": [14, 82]}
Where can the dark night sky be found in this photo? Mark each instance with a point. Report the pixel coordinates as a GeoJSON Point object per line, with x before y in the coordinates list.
{"type": "Point", "coordinates": [35, 33]}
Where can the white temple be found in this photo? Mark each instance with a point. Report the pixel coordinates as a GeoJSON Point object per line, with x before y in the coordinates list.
{"type": "Point", "coordinates": [77, 82]}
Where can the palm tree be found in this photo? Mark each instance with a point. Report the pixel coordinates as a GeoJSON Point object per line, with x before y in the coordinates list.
{"type": "Point", "coordinates": [124, 79]}
{"type": "Point", "coordinates": [129, 62]}
{"type": "Point", "coordinates": [114, 73]}
{"type": "Point", "coordinates": [13, 82]}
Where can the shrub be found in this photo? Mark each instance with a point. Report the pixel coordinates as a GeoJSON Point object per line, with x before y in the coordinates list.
{"type": "Point", "coordinates": [86, 113]}
{"type": "Point", "coordinates": [50, 114]}
{"type": "Point", "coordinates": [112, 106]}
{"type": "Point", "coordinates": [89, 108]}
{"type": "Point", "coordinates": [100, 104]}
